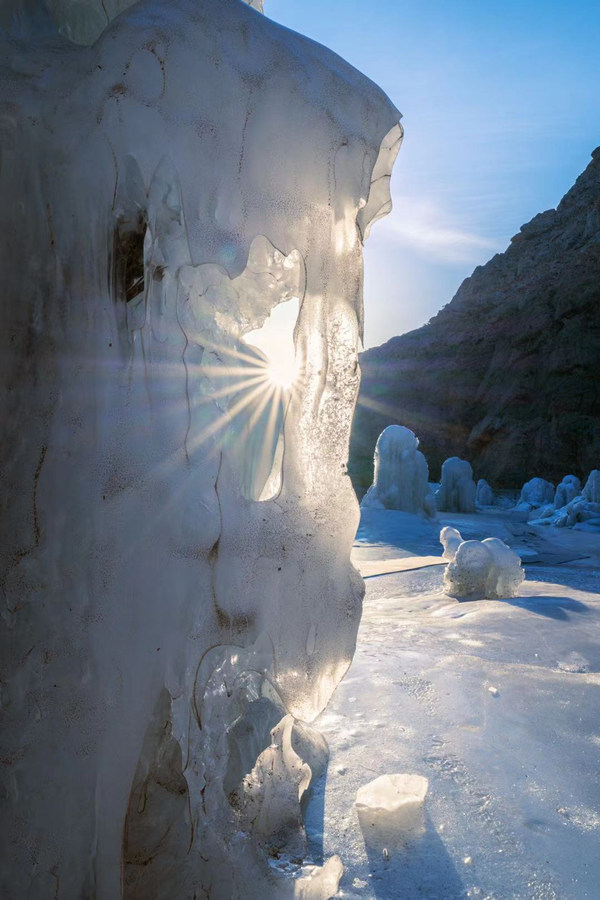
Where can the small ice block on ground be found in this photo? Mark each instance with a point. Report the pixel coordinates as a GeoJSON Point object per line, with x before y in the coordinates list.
{"type": "Point", "coordinates": [395, 802]}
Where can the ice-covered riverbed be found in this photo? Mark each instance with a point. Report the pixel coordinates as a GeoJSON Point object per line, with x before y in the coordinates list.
{"type": "Point", "coordinates": [497, 703]}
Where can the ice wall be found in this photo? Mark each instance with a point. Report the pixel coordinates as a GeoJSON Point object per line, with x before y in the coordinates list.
{"type": "Point", "coordinates": [81, 21]}
{"type": "Point", "coordinates": [163, 190]}
{"type": "Point", "coordinates": [401, 476]}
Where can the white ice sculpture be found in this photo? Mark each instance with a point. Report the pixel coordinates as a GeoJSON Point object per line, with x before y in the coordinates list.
{"type": "Point", "coordinates": [177, 529]}
{"type": "Point", "coordinates": [457, 489]}
{"type": "Point", "coordinates": [484, 496]}
{"type": "Point", "coordinates": [483, 569]}
{"type": "Point", "coordinates": [401, 476]}
{"type": "Point", "coordinates": [567, 490]}
{"type": "Point", "coordinates": [535, 493]}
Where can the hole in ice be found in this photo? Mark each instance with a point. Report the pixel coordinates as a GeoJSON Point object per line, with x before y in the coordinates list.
{"type": "Point", "coordinates": [128, 258]}
{"type": "Point", "coordinates": [276, 340]}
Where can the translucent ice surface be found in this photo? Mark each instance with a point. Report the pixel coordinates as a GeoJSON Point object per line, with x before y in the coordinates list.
{"type": "Point", "coordinates": [399, 796]}
{"type": "Point", "coordinates": [401, 477]}
{"type": "Point", "coordinates": [175, 548]}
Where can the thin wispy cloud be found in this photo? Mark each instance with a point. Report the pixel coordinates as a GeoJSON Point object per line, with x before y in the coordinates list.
{"type": "Point", "coordinates": [425, 227]}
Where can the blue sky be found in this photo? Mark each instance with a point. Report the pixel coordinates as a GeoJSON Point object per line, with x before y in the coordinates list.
{"type": "Point", "coordinates": [501, 106]}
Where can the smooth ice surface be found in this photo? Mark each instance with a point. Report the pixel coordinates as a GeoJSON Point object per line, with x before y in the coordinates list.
{"type": "Point", "coordinates": [176, 538]}
{"type": "Point", "coordinates": [401, 474]}
{"type": "Point", "coordinates": [457, 489]}
{"type": "Point", "coordinates": [494, 702]}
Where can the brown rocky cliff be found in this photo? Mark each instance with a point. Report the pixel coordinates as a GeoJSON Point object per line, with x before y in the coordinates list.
{"type": "Point", "coordinates": [506, 375]}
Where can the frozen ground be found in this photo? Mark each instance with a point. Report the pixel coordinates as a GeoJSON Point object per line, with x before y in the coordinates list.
{"type": "Point", "coordinates": [497, 703]}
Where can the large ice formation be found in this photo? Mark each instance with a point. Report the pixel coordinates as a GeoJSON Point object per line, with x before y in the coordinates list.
{"type": "Point", "coordinates": [535, 493]}
{"type": "Point", "coordinates": [484, 496]}
{"type": "Point", "coordinates": [480, 569]}
{"type": "Point", "coordinates": [401, 474]}
{"type": "Point", "coordinates": [457, 489]}
{"type": "Point", "coordinates": [566, 491]}
{"type": "Point", "coordinates": [177, 529]}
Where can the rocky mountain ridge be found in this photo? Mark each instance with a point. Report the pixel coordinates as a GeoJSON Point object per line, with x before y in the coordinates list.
{"type": "Point", "coordinates": [506, 375]}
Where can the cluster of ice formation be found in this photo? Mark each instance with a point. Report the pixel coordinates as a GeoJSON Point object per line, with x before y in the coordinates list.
{"type": "Point", "coordinates": [480, 570]}
{"type": "Point", "coordinates": [176, 539]}
{"type": "Point", "coordinates": [484, 496]}
{"type": "Point", "coordinates": [572, 506]}
{"type": "Point", "coordinates": [457, 489]}
{"type": "Point", "coordinates": [401, 476]}
{"type": "Point", "coordinates": [535, 493]}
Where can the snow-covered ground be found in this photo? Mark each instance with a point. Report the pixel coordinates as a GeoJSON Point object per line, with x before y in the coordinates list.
{"type": "Point", "coordinates": [497, 703]}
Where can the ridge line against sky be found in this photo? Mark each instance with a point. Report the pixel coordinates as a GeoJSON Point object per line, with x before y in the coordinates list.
{"type": "Point", "coordinates": [501, 110]}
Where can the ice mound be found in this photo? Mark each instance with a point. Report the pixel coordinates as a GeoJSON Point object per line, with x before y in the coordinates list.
{"type": "Point", "coordinates": [480, 570]}
{"type": "Point", "coordinates": [457, 489]}
{"type": "Point", "coordinates": [484, 496]}
{"type": "Point", "coordinates": [401, 478]}
{"type": "Point", "coordinates": [535, 493]}
{"type": "Point", "coordinates": [566, 491]}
